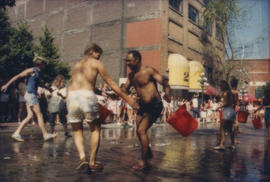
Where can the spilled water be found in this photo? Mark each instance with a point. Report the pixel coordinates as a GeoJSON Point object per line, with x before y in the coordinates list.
{"type": "Point", "coordinates": [175, 158]}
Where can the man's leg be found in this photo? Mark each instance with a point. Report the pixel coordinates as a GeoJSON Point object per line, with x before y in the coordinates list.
{"type": "Point", "coordinates": [78, 139]}
{"type": "Point", "coordinates": [143, 124]}
{"type": "Point", "coordinates": [94, 141]}
{"type": "Point", "coordinates": [79, 143]}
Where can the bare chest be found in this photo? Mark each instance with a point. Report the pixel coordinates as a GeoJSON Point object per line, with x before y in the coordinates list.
{"type": "Point", "coordinates": [141, 79]}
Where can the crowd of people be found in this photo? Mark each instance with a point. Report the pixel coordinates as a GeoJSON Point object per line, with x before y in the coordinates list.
{"type": "Point", "coordinates": [137, 102]}
{"type": "Point", "coordinates": [13, 108]}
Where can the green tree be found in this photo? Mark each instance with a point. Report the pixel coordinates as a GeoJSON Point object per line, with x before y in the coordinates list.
{"type": "Point", "coordinates": [5, 3]}
{"type": "Point", "coordinates": [227, 15]}
{"type": "Point", "coordinates": [21, 51]}
{"type": "Point", "coordinates": [6, 32]}
{"type": "Point", "coordinates": [48, 50]}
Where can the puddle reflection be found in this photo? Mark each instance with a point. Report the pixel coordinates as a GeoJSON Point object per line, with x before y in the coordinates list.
{"type": "Point", "coordinates": [118, 133]}
{"type": "Point", "coordinates": [175, 157]}
{"type": "Point", "coordinates": [266, 162]}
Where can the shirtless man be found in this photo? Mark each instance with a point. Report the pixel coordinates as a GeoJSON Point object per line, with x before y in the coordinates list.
{"type": "Point", "coordinates": [82, 103]}
{"type": "Point", "coordinates": [144, 79]}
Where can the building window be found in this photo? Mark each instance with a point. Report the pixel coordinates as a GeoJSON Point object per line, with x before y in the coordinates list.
{"type": "Point", "coordinates": [219, 35]}
{"type": "Point", "coordinates": [207, 25]}
{"type": "Point", "coordinates": [193, 14]}
{"type": "Point", "coordinates": [177, 5]}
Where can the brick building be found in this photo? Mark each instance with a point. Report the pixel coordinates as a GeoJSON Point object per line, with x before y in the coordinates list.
{"type": "Point", "coordinates": [154, 27]}
{"type": "Point", "coordinates": [259, 73]}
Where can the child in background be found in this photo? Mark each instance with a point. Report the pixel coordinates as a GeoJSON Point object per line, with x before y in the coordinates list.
{"type": "Point", "coordinates": [57, 105]}
{"type": "Point", "coordinates": [203, 113]}
{"type": "Point", "coordinates": [22, 106]}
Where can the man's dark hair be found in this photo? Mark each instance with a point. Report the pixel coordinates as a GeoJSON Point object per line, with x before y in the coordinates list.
{"type": "Point", "coordinates": [136, 54]}
{"type": "Point", "coordinates": [94, 47]}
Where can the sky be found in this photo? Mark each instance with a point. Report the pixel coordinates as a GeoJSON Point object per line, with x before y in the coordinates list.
{"type": "Point", "coordinates": [252, 40]}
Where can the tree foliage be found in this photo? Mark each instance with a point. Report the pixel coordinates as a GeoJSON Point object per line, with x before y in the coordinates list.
{"type": "Point", "coordinates": [17, 48]}
{"type": "Point", "coordinates": [48, 50]}
{"type": "Point", "coordinates": [6, 32]}
{"type": "Point", "coordinates": [226, 14]}
{"type": "Point", "coordinates": [5, 3]}
{"type": "Point", "coordinates": [21, 51]}
{"type": "Point", "coordinates": [16, 43]}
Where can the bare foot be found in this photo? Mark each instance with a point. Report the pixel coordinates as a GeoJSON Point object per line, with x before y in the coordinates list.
{"type": "Point", "coordinates": [140, 166]}
{"type": "Point", "coordinates": [96, 167]}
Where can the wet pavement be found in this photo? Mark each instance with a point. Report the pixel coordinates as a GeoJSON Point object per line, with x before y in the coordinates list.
{"type": "Point", "coordinates": [175, 158]}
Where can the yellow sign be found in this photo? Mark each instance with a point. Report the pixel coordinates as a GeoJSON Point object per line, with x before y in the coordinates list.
{"type": "Point", "coordinates": [195, 71]}
{"type": "Point", "coordinates": [178, 71]}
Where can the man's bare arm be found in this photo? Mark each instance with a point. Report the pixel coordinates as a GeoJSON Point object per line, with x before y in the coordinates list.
{"type": "Point", "coordinates": [127, 85]}
{"type": "Point", "coordinates": [164, 81]}
{"type": "Point", "coordinates": [114, 86]}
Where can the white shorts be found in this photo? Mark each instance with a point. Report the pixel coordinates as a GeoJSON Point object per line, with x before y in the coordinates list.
{"type": "Point", "coordinates": [82, 105]}
{"type": "Point", "coordinates": [30, 99]}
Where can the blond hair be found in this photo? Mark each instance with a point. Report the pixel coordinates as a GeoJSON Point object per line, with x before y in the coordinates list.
{"type": "Point", "coordinates": [38, 60]}
{"type": "Point", "coordinates": [56, 82]}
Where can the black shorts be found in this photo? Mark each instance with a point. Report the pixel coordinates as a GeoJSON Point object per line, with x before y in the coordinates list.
{"type": "Point", "coordinates": [153, 108]}
{"type": "Point", "coordinates": [227, 125]}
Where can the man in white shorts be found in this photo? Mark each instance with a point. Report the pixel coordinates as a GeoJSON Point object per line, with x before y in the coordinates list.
{"type": "Point", "coordinates": [82, 104]}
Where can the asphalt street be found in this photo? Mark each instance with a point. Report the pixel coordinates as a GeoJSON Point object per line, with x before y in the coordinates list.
{"type": "Point", "coordinates": [176, 158]}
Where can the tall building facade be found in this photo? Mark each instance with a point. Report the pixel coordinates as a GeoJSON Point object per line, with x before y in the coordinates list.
{"type": "Point", "coordinates": [154, 27]}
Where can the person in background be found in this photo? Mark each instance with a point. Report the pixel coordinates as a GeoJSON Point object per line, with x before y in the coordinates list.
{"type": "Point", "coordinates": [4, 98]}
{"type": "Point", "coordinates": [195, 107]}
{"type": "Point", "coordinates": [235, 92]}
{"type": "Point", "coordinates": [56, 103]}
{"type": "Point", "coordinates": [266, 106]}
{"type": "Point", "coordinates": [228, 116]}
{"type": "Point", "coordinates": [21, 92]}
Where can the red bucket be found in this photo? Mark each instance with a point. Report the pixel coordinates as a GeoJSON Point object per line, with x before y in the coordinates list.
{"type": "Point", "coordinates": [257, 122]}
{"type": "Point", "coordinates": [242, 116]}
{"type": "Point", "coordinates": [104, 112]}
{"type": "Point", "coordinates": [182, 121]}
